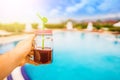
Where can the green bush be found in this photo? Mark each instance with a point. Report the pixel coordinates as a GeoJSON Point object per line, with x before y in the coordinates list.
{"type": "Point", "coordinates": [15, 27]}
{"type": "Point", "coordinates": [80, 25]}
{"type": "Point", "coordinates": [35, 25]}
{"type": "Point", "coordinates": [114, 29]}
{"type": "Point", "coordinates": [55, 26]}
{"type": "Point", "coordinates": [98, 26]}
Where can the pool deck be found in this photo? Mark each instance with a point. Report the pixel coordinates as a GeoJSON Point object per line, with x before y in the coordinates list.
{"type": "Point", "coordinates": [4, 40]}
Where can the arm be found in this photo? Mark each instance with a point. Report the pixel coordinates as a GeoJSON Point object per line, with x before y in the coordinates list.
{"type": "Point", "coordinates": [7, 63]}
{"type": "Point", "coordinates": [15, 57]}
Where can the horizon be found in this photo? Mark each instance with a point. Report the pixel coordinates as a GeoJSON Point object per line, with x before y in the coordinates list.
{"type": "Point", "coordinates": [56, 11]}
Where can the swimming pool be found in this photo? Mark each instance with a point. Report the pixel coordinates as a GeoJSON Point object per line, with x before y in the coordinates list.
{"type": "Point", "coordinates": [80, 56]}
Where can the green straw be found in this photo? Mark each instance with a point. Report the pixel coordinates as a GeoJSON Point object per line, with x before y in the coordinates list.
{"type": "Point", "coordinates": [44, 20]}
{"type": "Point", "coordinates": [43, 37]}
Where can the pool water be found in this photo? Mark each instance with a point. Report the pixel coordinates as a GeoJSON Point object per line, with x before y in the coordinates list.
{"type": "Point", "coordinates": [8, 46]}
{"type": "Point", "coordinates": [80, 56]}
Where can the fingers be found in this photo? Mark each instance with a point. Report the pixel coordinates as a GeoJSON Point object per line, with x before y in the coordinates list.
{"type": "Point", "coordinates": [27, 46]}
{"type": "Point", "coordinates": [31, 61]}
{"type": "Point", "coordinates": [31, 38]}
{"type": "Point", "coordinates": [31, 41]}
{"type": "Point", "coordinates": [27, 43]}
{"type": "Point", "coordinates": [28, 60]}
{"type": "Point", "coordinates": [28, 40]}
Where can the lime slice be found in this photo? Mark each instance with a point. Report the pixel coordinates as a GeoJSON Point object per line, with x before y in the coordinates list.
{"type": "Point", "coordinates": [44, 20]}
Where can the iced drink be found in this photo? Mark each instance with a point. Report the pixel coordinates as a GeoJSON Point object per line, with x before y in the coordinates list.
{"type": "Point", "coordinates": [43, 47]}
{"type": "Point", "coordinates": [43, 56]}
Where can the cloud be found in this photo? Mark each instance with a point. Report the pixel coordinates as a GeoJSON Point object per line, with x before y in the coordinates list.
{"type": "Point", "coordinates": [110, 5]}
{"type": "Point", "coordinates": [24, 10]}
{"type": "Point", "coordinates": [72, 8]}
{"type": "Point", "coordinates": [90, 10]}
{"type": "Point", "coordinates": [76, 7]}
{"type": "Point", "coordinates": [54, 12]}
{"type": "Point", "coordinates": [16, 10]}
{"type": "Point", "coordinates": [97, 17]}
{"type": "Point", "coordinates": [105, 5]}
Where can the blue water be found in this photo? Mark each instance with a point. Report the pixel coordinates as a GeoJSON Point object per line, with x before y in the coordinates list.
{"type": "Point", "coordinates": [8, 46]}
{"type": "Point", "coordinates": [80, 56]}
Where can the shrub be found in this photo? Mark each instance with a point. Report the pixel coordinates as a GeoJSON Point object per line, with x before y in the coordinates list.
{"type": "Point", "coordinates": [80, 25]}
{"type": "Point", "coordinates": [35, 25]}
{"type": "Point", "coordinates": [55, 26]}
{"type": "Point", "coordinates": [15, 27]}
{"type": "Point", "coordinates": [114, 29]}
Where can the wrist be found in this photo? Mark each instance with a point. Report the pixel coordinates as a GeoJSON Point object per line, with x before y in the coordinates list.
{"type": "Point", "coordinates": [15, 57]}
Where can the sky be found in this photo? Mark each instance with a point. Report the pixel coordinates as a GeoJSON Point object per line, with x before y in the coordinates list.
{"type": "Point", "coordinates": [26, 10]}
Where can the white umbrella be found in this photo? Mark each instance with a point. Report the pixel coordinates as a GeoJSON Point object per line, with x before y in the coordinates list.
{"type": "Point", "coordinates": [90, 26]}
{"type": "Point", "coordinates": [116, 24]}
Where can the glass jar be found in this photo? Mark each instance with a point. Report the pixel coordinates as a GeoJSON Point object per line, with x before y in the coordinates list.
{"type": "Point", "coordinates": [43, 46]}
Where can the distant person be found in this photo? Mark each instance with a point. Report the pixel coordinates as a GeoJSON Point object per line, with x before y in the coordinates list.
{"type": "Point", "coordinates": [16, 57]}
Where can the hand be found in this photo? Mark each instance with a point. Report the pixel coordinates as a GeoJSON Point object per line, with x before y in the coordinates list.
{"type": "Point", "coordinates": [24, 49]}
{"type": "Point", "coordinates": [16, 57]}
